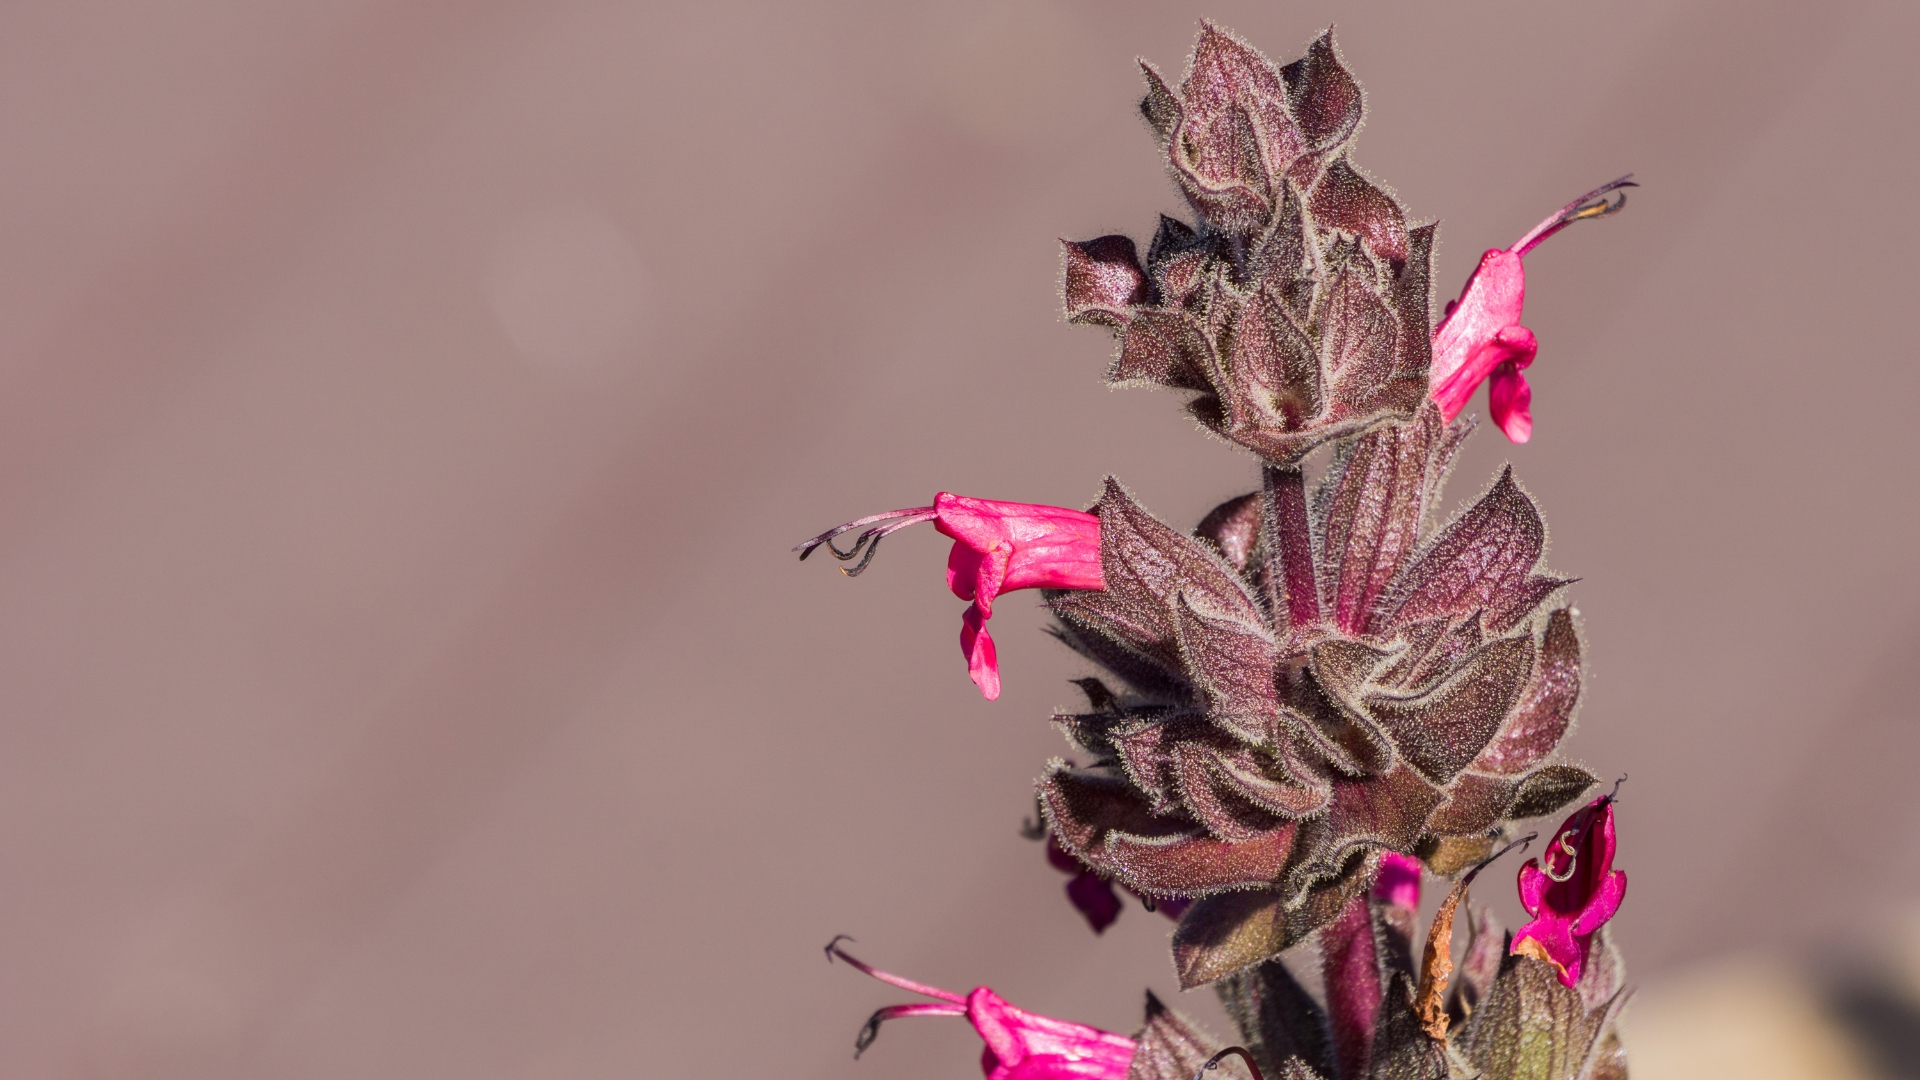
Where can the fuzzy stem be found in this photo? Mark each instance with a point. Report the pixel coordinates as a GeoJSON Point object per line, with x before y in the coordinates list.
{"type": "Point", "coordinates": [1290, 548]}
{"type": "Point", "coordinates": [1352, 969]}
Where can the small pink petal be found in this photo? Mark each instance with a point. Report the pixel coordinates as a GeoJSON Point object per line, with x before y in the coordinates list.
{"type": "Point", "coordinates": [983, 665]}
{"type": "Point", "coordinates": [1509, 344]}
{"type": "Point", "coordinates": [1510, 400]}
{"type": "Point", "coordinates": [1606, 901]}
{"type": "Point", "coordinates": [1533, 886]}
{"type": "Point", "coordinates": [963, 569]}
{"type": "Point", "coordinates": [1399, 881]}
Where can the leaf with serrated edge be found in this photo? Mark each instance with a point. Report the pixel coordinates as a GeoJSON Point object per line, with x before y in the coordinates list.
{"type": "Point", "coordinates": [1272, 375]}
{"type": "Point", "coordinates": [1296, 791]}
{"type": "Point", "coordinates": [1147, 565]}
{"type": "Point", "coordinates": [1102, 281]}
{"type": "Point", "coordinates": [1358, 335]}
{"type": "Point", "coordinates": [1322, 95]}
{"type": "Point", "coordinates": [1105, 823]}
{"type": "Point", "coordinates": [1225, 813]}
{"type": "Point", "coordinates": [1145, 750]}
{"type": "Point", "coordinates": [1475, 803]}
{"type": "Point", "coordinates": [1145, 674]}
{"type": "Point", "coordinates": [1385, 812]}
{"type": "Point", "coordinates": [1164, 347]}
{"type": "Point", "coordinates": [1411, 300]}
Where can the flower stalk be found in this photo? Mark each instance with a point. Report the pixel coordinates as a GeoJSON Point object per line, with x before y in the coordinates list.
{"type": "Point", "coordinates": [1323, 692]}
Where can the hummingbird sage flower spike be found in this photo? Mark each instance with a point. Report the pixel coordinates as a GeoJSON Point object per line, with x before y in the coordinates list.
{"type": "Point", "coordinates": [1481, 339]}
{"type": "Point", "coordinates": [1571, 891]}
{"type": "Point", "coordinates": [1020, 1045]}
{"type": "Point", "coordinates": [1327, 688]}
{"type": "Point", "coordinates": [997, 547]}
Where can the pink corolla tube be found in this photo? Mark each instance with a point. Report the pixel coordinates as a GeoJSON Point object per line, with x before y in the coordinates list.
{"type": "Point", "coordinates": [997, 547]}
{"type": "Point", "coordinates": [1481, 339]}
{"type": "Point", "coordinates": [1020, 1045]}
{"type": "Point", "coordinates": [1571, 891]}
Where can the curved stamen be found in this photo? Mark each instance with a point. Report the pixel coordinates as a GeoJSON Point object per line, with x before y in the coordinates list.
{"type": "Point", "coordinates": [834, 949]}
{"type": "Point", "coordinates": [917, 513]}
{"type": "Point", "coordinates": [1214, 1062]}
{"type": "Point", "coordinates": [883, 525]}
{"type": "Point", "coordinates": [1593, 204]}
{"type": "Point", "coordinates": [1573, 858]}
{"type": "Point", "coordinates": [871, 1030]}
{"type": "Point", "coordinates": [1491, 859]}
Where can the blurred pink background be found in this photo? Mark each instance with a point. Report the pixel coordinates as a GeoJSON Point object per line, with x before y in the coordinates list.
{"type": "Point", "coordinates": [406, 410]}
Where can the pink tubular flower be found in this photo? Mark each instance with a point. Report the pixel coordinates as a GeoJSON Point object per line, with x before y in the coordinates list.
{"type": "Point", "coordinates": [1481, 339]}
{"type": "Point", "coordinates": [1571, 891]}
{"type": "Point", "coordinates": [1399, 881]}
{"type": "Point", "coordinates": [1020, 1045]}
{"type": "Point", "coordinates": [997, 547]}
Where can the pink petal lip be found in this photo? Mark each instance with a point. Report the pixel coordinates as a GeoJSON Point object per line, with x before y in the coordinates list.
{"type": "Point", "coordinates": [1020, 1045]}
{"type": "Point", "coordinates": [998, 547]}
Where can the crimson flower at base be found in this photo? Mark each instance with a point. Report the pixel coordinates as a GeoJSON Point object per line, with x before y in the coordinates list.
{"type": "Point", "coordinates": [1398, 882]}
{"type": "Point", "coordinates": [1571, 891]}
{"type": "Point", "coordinates": [1020, 1045]}
{"type": "Point", "coordinates": [998, 547]}
{"type": "Point", "coordinates": [1481, 339]}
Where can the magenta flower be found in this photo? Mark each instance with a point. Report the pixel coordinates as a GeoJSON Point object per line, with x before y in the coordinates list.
{"type": "Point", "coordinates": [1571, 891]}
{"type": "Point", "coordinates": [1481, 339]}
{"type": "Point", "coordinates": [1020, 1045]}
{"type": "Point", "coordinates": [997, 547]}
{"type": "Point", "coordinates": [1399, 881]}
